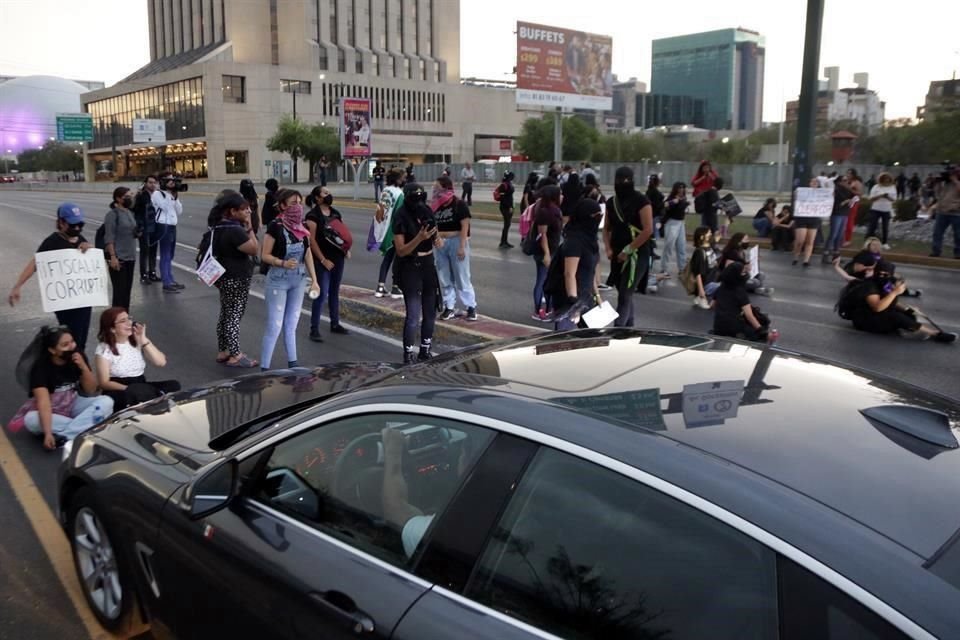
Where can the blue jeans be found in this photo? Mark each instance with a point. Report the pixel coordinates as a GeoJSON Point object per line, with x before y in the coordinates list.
{"type": "Point", "coordinates": [329, 287]}
{"type": "Point", "coordinates": [284, 296]}
{"type": "Point", "coordinates": [762, 226]}
{"type": "Point", "coordinates": [81, 417]}
{"type": "Point", "coordinates": [538, 295]}
{"type": "Point", "coordinates": [166, 235]}
{"type": "Point", "coordinates": [940, 225]}
{"type": "Point", "coordinates": [675, 241]}
{"type": "Point", "coordinates": [377, 189]}
{"type": "Point", "coordinates": [837, 226]}
{"type": "Point", "coordinates": [454, 274]}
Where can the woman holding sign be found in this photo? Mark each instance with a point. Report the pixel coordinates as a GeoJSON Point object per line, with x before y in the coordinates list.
{"type": "Point", "coordinates": [805, 228]}
{"type": "Point", "coordinates": [67, 236]}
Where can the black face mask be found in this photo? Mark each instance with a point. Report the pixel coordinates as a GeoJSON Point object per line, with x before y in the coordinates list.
{"type": "Point", "coordinates": [127, 202]}
{"type": "Point", "coordinates": [327, 199]}
{"type": "Point", "coordinates": [73, 232]}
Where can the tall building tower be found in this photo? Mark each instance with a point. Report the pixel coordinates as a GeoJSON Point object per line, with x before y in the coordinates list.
{"type": "Point", "coordinates": [723, 68]}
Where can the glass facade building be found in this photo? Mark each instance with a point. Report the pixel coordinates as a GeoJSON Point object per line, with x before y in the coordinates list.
{"type": "Point", "coordinates": [180, 104]}
{"type": "Point", "coordinates": [722, 68]}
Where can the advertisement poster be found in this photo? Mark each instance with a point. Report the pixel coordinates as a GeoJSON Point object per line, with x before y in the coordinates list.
{"type": "Point", "coordinates": [813, 203]}
{"type": "Point", "coordinates": [355, 125]}
{"type": "Point", "coordinates": [563, 68]}
{"type": "Point", "coordinates": [70, 279]}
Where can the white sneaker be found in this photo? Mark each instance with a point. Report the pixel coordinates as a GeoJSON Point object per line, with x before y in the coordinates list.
{"type": "Point", "coordinates": [651, 288]}
{"type": "Point", "coordinates": [701, 303]}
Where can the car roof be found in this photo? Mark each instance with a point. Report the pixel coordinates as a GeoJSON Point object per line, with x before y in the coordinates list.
{"type": "Point", "coordinates": [792, 419]}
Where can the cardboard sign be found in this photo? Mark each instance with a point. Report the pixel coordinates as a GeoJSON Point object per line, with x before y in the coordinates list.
{"type": "Point", "coordinates": [70, 279]}
{"type": "Point", "coordinates": [813, 203]}
{"type": "Point", "coordinates": [710, 403]}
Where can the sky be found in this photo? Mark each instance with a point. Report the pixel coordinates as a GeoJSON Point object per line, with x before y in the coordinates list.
{"type": "Point", "coordinates": [902, 45]}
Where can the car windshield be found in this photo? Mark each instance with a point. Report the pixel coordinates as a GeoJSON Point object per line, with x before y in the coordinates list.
{"type": "Point", "coordinates": [247, 429]}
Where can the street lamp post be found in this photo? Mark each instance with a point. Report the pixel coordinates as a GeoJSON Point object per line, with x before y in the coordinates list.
{"type": "Point", "coordinates": [803, 154]}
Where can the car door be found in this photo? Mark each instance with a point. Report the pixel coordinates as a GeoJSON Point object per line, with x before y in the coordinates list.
{"type": "Point", "coordinates": [321, 541]}
{"type": "Point", "coordinates": [584, 552]}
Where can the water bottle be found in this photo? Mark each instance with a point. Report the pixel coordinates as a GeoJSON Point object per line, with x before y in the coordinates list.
{"type": "Point", "coordinates": [97, 414]}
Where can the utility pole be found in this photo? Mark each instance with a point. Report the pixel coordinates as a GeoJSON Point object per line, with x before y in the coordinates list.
{"type": "Point", "coordinates": [809, 88]}
{"type": "Point", "coordinates": [113, 146]}
{"type": "Point", "coordinates": [558, 135]}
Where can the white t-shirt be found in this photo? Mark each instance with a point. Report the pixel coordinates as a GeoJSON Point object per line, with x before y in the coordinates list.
{"type": "Point", "coordinates": [882, 204]}
{"type": "Point", "coordinates": [129, 364]}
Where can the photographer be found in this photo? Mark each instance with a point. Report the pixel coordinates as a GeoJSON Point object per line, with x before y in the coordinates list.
{"type": "Point", "coordinates": [871, 302]}
{"type": "Point", "coordinates": [167, 204]}
{"type": "Point", "coordinates": [947, 207]}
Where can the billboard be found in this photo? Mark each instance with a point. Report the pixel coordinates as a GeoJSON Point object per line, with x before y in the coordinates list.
{"type": "Point", "coordinates": [563, 68]}
{"type": "Point", "coordinates": [355, 125]}
{"type": "Point", "coordinates": [149, 130]}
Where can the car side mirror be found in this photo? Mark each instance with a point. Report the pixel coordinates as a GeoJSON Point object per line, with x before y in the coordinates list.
{"type": "Point", "coordinates": [212, 491]}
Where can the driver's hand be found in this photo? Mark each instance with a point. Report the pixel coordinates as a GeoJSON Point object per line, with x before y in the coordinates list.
{"type": "Point", "coordinates": [394, 442]}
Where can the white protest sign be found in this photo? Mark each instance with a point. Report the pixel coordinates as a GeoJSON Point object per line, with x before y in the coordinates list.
{"type": "Point", "coordinates": [813, 203]}
{"type": "Point", "coordinates": [70, 279]}
{"type": "Point", "coordinates": [753, 257]}
{"type": "Point", "coordinates": [711, 402]}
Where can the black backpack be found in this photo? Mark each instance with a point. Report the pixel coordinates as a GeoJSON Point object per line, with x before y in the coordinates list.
{"type": "Point", "coordinates": [99, 240]}
{"type": "Point", "coordinates": [852, 297]}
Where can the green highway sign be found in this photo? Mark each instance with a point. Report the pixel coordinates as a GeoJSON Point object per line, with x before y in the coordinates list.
{"type": "Point", "coordinates": [74, 127]}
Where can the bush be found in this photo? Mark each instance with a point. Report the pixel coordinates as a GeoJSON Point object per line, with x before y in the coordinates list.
{"type": "Point", "coordinates": [905, 209]}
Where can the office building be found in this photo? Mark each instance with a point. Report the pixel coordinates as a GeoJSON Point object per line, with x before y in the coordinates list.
{"type": "Point", "coordinates": [722, 68]}
{"type": "Point", "coordinates": [223, 72]}
{"type": "Point", "coordinates": [943, 98]}
{"type": "Point", "coordinates": [859, 103]}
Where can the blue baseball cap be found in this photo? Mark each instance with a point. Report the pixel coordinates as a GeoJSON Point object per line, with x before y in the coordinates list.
{"type": "Point", "coordinates": [70, 213]}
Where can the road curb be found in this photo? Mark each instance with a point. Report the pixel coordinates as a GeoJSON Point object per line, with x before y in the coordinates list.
{"type": "Point", "coordinates": [360, 307]}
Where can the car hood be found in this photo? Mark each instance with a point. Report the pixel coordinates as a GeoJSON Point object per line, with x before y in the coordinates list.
{"type": "Point", "coordinates": [178, 428]}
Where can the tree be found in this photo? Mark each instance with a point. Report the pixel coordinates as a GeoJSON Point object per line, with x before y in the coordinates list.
{"type": "Point", "coordinates": [54, 156]}
{"type": "Point", "coordinates": [320, 141]}
{"type": "Point", "coordinates": [621, 147]}
{"type": "Point", "coordinates": [289, 138]}
{"type": "Point", "coordinates": [536, 139]}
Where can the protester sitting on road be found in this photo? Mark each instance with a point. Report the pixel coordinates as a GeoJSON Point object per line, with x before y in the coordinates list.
{"type": "Point", "coordinates": [700, 274]}
{"type": "Point", "coordinates": [120, 232]}
{"type": "Point", "coordinates": [286, 255]}
{"type": "Point", "coordinates": [734, 316]}
{"type": "Point", "coordinates": [781, 236]}
{"type": "Point", "coordinates": [867, 257]}
{"type": "Point", "coordinates": [736, 251]}
{"type": "Point", "coordinates": [871, 301]}
{"type": "Point", "coordinates": [765, 219]}
{"type": "Point", "coordinates": [415, 238]}
{"type": "Point", "coordinates": [121, 358]}
{"type": "Point", "coordinates": [67, 236]}
{"type": "Point", "coordinates": [59, 373]}
{"type": "Point", "coordinates": [234, 245]}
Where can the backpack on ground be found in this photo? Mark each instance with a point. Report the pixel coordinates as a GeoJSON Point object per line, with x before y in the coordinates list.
{"type": "Point", "coordinates": [851, 297]}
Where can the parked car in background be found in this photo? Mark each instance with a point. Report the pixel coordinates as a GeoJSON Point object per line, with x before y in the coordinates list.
{"type": "Point", "coordinates": [597, 484]}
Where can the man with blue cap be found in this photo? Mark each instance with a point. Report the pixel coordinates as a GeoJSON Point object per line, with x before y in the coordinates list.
{"type": "Point", "coordinates": [69, 235]}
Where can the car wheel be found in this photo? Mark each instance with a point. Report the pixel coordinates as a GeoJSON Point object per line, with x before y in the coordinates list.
{"type": "Point", "coordinates": [100, 564]}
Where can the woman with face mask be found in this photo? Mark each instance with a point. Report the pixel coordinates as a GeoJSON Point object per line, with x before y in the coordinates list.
{"type": "Point", "coordinates": [328, 259]}
{"type": "Point", "coordinates": [734, 316]}
{"type": "Point", "coordinates": [578, 256]}
{"type": "Point", "coordinates": [60, 373]}
{"type": "Point", "coordinates": [67, 236]}
{"type": "Point", "coordinates": [120, 245]}
{"type": "Point", "coordinates": [286, 251]}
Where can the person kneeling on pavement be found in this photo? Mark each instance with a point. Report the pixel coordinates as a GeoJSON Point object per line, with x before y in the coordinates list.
{"type": "Point", "coordinates": [871, 301]}
{"type": "Point", "coordinates": [122, 355]}
{"type": "Point", "coordinates": [55, 372]}
{"type": "Point", "coordinates": [734, 316]}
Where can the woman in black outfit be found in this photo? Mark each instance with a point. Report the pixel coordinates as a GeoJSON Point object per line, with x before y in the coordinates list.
{"type": "Point", "coordinates": [579, 255]}
{"type": "Point", "coordinates": [529, 191]}
{"type": "Point", "coordinates": [734, 316]}
{"type": "Point", "coordinates": [249, 192]}
{"type": "Point", "coordinates": [414, 237]}
{"type": "Point", "coordinates": [736, 251]}
{"type": "Point", "coordinates": [506, 207]}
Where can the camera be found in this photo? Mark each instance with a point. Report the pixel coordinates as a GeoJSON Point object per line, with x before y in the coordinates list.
{"type": "Point", "coordinates": [178, 185]}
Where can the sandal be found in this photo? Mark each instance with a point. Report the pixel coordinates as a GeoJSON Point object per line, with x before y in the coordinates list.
{"type": "Point", "coordinates": [222, 359]}
{"type": "Point", "coordinates": [243, 362]}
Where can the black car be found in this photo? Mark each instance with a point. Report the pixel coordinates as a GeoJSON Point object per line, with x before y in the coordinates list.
{"type": "Point", "coordinates": [595, 484]}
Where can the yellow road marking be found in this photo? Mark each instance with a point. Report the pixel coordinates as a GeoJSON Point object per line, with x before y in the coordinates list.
{"type": "Point", "coordinates": [49, 533]}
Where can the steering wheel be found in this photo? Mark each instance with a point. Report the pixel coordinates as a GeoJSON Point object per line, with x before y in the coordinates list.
{"type": "Point", "coordinates": [358, 476]}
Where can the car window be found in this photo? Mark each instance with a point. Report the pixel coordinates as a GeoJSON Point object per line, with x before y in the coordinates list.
{"type": "Point", "coordinates": [812, 608]}
{"type": "Point", "coordinates": [375, 481]}
{"type": "Point", "coordinates": [583, 552]}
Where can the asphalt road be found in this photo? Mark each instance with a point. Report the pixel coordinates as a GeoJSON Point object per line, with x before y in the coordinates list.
{"type": "Point", "coordinates": [35, 600]}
